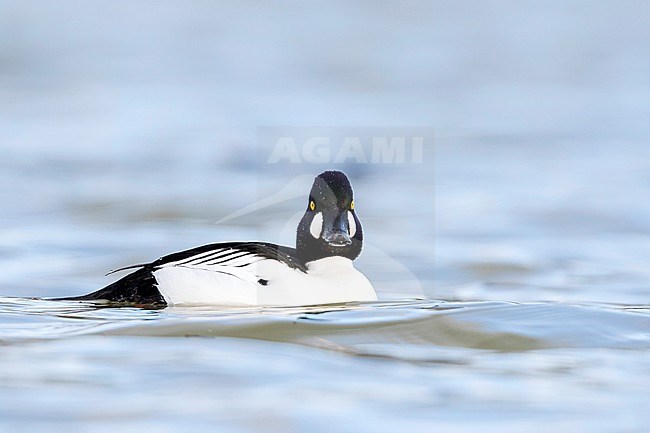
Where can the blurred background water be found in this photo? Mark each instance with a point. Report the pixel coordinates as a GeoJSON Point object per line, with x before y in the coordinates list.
{"type": "Point", "coordinates": [132, 129]}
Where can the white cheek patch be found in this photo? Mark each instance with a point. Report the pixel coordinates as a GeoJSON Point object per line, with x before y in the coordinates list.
{"type": "Point", "coordinates": [316, 226]}
{"type": "Point", "coordinates": [352, 224]}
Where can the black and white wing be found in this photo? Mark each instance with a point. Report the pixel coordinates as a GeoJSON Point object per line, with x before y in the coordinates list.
{"type": "Point", "coordinates": [236, 254]}
{"type": "Point", "coordinates": [209, 272]}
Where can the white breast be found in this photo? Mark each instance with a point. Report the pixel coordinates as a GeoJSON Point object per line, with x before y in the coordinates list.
{"type": "Point", "coordinates": [328, 280]}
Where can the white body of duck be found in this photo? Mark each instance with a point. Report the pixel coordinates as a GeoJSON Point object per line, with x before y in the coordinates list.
{"type": "Point", "coordinates": [327, 281]}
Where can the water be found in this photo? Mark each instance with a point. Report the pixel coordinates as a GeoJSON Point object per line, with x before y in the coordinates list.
{"type": "Point", "coordinates": [375, 367]}
{"type": "Point", "coordinates": [511, 263]}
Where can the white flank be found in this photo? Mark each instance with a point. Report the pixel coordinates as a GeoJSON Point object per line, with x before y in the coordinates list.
{"type": "Point", "coordinates": [200, 285]}
{"type": "Point", "coordinates": [329, 280]}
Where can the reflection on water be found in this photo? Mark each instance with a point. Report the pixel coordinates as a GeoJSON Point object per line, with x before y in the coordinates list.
{"type": "Point", "coordinates": [441, 362]}
{"type": "Point", "coordinates": [499, 326]}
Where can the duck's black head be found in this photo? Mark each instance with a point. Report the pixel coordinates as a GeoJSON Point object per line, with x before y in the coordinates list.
{"type": "Point", "coordinates": [330, 226]}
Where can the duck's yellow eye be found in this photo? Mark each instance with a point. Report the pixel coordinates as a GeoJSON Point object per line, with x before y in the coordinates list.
{"type": "Point", "coordinates": [312, 205]}
{"type": "Point", "coordinates": [352, 205]}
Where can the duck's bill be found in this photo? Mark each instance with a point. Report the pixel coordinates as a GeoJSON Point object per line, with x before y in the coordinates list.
{"type": "Point", "coordinates": [337, 239]}
{"type": "Point", "coordinates": [336, 230]}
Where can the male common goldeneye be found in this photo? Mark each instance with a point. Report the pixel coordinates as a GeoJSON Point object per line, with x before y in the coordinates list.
{"type": "Point", "coordinates": [318, 271]}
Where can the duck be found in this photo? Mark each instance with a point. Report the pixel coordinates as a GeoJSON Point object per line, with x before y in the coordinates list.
{"type": "Point", "coordinates": [319, 270]}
